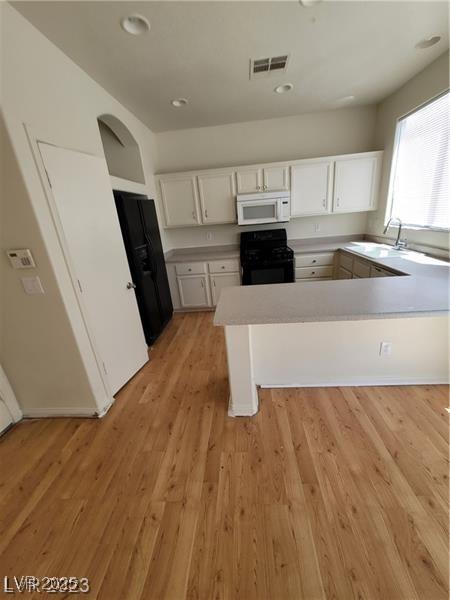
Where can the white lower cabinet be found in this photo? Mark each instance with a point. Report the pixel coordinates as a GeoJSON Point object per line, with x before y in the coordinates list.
{"type": "Point", "coordinates": [194, 291]}
{"type": "Point", "coordinates": [344, 274]}
{"type": "Point", "coordinates": [220, 281]}
{"type": "Point", "coordinates": [313, 266]}
{"type": "Point", "coordinates": [199, 284]}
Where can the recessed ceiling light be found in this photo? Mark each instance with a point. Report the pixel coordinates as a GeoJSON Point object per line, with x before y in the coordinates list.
{"type": "Point", "coordinates": [179, 102]}
{"type": "Point", "coordinates": [282, 89]}
{"type": "Point", "coordinates": [428, 42]}
{"type": "Point", "coordinates": [345, 99]}
{"type": "Point", "coordinates": [309, 3]}
{"type": "Point", "coordinates": [135, 24]}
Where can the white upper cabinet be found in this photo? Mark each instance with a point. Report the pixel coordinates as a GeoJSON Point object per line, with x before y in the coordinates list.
{"type": "Point", "coordinates": [249, 180]}
{"type": "Point", "coordinates": [275, 179]}
{"type": "Point", "coordinates": [180, 200]}
{"type": "Point", "coordinates": [311, 188]}
{"type": "Point", "coordinates": [272, 178]}
{"type": "Point", "coordinates": [356, 183]}
{"type": "Point", "coordinates": [217, 191]}
{"type": "Point", "coordinates": [319, 186]}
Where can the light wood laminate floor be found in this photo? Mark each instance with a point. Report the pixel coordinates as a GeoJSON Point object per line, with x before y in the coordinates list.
{"type": "Point", "coordinates": [333, 493]}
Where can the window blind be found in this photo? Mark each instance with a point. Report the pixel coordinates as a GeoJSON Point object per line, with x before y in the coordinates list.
{"type": "Point", "coordinates": [420, 188]}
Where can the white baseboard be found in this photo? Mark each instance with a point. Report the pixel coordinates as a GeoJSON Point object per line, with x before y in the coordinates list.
{"type": "Point", "coordinates": [67, 411]}
{"type": "Point", "coordinates": [358, 382]}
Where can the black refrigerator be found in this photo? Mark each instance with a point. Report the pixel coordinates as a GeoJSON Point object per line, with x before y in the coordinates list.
{"type": "Point", "coordinates": [140, 231]}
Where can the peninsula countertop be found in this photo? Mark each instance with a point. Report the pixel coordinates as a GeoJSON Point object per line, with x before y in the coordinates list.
{"type": "Point", "coordinates": [421, 290]}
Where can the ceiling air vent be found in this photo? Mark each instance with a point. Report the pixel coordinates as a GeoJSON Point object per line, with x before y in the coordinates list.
{"type": "Point", "coordinates": [262, 67]}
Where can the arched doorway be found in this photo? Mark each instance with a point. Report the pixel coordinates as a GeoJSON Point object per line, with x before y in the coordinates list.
{"type": "Point", "coordinates": [121, 149]}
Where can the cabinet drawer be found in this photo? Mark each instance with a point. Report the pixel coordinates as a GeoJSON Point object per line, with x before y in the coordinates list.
{"type": "Point", "coordinates": [346, 261]}
{"type": "Point", "coordinates": [361, 268]}
{"type": "Point", "coordinates": [313, 260]}
{"type": "Point", "coordinates": [224, 266]}
{"type": "Point", "coordinates": [309, 273]}
{"type": "Point", "coordinates": [379, 272]}
{"type": "Point", "coordinates": [193, 268]}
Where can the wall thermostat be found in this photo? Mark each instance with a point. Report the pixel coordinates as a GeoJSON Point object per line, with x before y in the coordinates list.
{"type": "Point", "coordinates": [21, 259]}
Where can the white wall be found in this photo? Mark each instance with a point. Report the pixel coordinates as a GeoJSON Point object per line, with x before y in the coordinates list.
{"type": "Point", "coordinates": [304, 136]}
{"type": "Point", "coordinates": [348, 352]}
{"type": "Point", "coordinates": [123, 160]}
{"type": "Point", "coordinates": [42, 335]}
{"type": "Point", "coordinates": [426, 84]}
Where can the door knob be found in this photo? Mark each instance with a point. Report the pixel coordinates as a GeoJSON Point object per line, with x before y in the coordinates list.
{"type": "Point", "coordinates": [131, 285]}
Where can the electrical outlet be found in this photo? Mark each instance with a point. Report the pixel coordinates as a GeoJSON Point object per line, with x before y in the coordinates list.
{"type": "Point", "coordinates": [209, 236]}
{"type": "Point", "coordinates": [385, 349]}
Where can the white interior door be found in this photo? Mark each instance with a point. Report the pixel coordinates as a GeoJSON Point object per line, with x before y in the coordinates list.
{"type": "Point", "coordinates": [85, 208]}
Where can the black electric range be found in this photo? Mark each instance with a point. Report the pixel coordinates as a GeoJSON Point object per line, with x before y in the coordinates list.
{"type": "Point", "coordinates": [266, 257]}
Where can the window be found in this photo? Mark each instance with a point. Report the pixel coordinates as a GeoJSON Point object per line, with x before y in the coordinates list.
{"type": "Point", "coordinates": [419, 184]}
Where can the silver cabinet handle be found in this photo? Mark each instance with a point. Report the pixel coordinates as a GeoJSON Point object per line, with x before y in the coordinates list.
{"type": "Point", "coordinates": [314, 260]}
{"type": "Point", "coordinates": [131, 285]}
{"type": "Point", "coordinates": [313, 272]}
{"type": "Point", "coordinates": [206, 213]}
{"type": "Point", "coordinates": [201, 281]}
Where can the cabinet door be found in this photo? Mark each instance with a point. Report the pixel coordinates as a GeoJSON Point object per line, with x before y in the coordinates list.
{"type": "Point", "coordinates": [193, 290]}
{"type": "Point", "coordinates": [311, 188]}
{"type": "Point", "coordinates": [217, 193]}
{"type": "Point", "coordinates": [180, 200]}
{"type": "Point", "coordinates": [355, 184]}
{"type": "Point", "coordinates": [344, 274]}
{"type": "Point", "coordinates": [218, 282]}
{"type": "Point", "coordinates": [249, 179]}
{"type": "Point", "coordinates": [276, 179]}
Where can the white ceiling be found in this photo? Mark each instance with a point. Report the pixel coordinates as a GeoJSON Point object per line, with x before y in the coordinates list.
{"type": "Point", "coordinates": [201, 51]}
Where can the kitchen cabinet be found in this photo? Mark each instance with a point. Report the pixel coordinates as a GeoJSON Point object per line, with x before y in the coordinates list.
{"type": "Point", "coordinates": [219, 281]}
{"type": "Point", "coordinates": [271, 178]}
{"type": "Point", "coordinates": [344, 273]}
{"type": "Point", "coordinates": [194, 291]}
{"type": "Point", "coordinates": [379, 272]}
{"type": "Point", "coordinates": [349, 266]}
{"type": "Point", "coordinates": [312, 266]}
{"type": "Point", "coordinates": [356, 182]}
{"type": "Point", "coordinates": [180, 200]}
{"type": "Point", "coordinates": [276, 179]}
{"type": "Point", "coordinates": [311, 188]}
{"type": "Point", "coordinates": [217, 192]}
{"type": "Point", "coordinates": [249, 180]}
{"type": "Point", "coordinates": [319, 186]}
{"type": "Point", "coordinates": [361, 268]}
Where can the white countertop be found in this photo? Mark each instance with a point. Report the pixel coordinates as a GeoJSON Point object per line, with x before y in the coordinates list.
{"type": "Point", "coordinates": [206, 253]}
{"type": "Point", "coordinates": [423, 290]}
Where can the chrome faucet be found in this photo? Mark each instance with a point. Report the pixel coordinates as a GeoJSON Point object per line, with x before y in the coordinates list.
{"type": "Point", "coordinates": [399, 244]}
